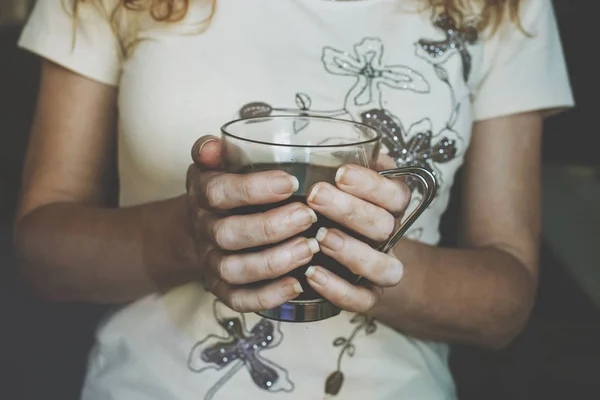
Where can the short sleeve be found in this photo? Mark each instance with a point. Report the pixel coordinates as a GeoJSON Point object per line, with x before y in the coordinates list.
{"type": "Point", "coordinates": [522, 72]}
{"type": "Point", "coordinates": [87, 46]}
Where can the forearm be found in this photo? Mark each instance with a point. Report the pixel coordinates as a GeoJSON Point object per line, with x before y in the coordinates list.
{"type": "Point", "coordinates": [72, 252]}
{"type": "Point", "coordinates": [479, 296]}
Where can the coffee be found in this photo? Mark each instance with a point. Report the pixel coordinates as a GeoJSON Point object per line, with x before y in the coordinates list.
{"type": "Point", "coordinates": [307, 175]}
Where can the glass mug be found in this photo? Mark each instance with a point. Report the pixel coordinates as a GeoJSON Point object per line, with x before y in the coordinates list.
{"type": "Point", "coordinates": [311, 149]}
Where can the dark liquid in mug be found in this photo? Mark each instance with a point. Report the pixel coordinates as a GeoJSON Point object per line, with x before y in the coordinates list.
{"type": "Point", "coordinates": [307, 175]}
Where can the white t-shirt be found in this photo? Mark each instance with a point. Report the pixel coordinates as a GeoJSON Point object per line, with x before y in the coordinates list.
{"type": "Point", "coordinates": [371, 61]}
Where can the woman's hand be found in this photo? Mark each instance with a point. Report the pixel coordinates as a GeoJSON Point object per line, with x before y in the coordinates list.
{"type": "Point", "coordinates": [367, 203]}
{"type": "Point", "coordinates": [224, 240]}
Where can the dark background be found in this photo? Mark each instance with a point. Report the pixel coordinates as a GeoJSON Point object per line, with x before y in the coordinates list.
{"type": "Point", "coordinates": [43, 346]}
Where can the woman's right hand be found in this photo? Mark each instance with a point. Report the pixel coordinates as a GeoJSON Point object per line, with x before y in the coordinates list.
{"type": "Point", "coordinates": [224, 242]}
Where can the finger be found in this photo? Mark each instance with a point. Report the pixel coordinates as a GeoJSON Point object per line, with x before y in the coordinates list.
{"type": "Point", "coordinates": [385, 162]}
{"type": "Point", "coordinates": [224, 191]}
{"type": "Point", "coordinates": [252, 299]}
{"type": "Point", "coordinates": [238, 232]}
{"type": "Point", "coordinates": [239, 269]}
{"type": "Point", "coordinates": [206, 152]}
{"type": "Point", "coordinates": [349, 297]}
{"type": "Point", "coordinates": [358, 215]}
{"type": "Point", "coordinates": [360, 258]}
{"type": "Point", "coordinates": [392, 195]}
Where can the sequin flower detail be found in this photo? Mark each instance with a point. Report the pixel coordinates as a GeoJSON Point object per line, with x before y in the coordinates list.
{"type": "Point", "coordinates": [416, 147]}
{"type": "Point", "coordinates": [239, 348]}
{"type": "Point", "coordinates": [456, 41]}
{"type": "Point", "coordinates": [366, 65]}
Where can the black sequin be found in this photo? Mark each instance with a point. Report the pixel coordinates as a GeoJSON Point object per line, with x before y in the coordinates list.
{"type": "Point", "coordinates": [457, 39]}
{"type": "Point", "coordinates": [419, 150]}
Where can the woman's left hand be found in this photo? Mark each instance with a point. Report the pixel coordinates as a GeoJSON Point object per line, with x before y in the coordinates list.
{"type": "Point", "coordinates": [366, 203]}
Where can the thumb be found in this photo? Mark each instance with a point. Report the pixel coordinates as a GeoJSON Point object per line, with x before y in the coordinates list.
{"type": "Point", "coordinates": [206, 152]}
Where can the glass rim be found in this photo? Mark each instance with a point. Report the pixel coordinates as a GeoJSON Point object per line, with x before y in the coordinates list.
{"type": "Point", "coordinates": [376, 138]}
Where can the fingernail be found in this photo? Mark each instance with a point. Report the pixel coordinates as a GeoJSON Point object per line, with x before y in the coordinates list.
{"type": "Point", "coordinates": [301, 251]}
{"type": "Point", "coordinates": [316, 276]}
{"type": "Point", "coordinates": [313, 194]}
{"type": "Point", "coordinates": [395, 272]}
{"type": "Point", "coordinates": [284, 185]}
{"type": "Point", "coordinates": [349, 175]}
{"type": "Point", "coordinates": [291, 291]}
{"type": "Point", "coordinates": [339, 174]}
{"type": "Point", "coordinates": [314, 246]}
{"type": "Point", "coordinates": [304, 217]}
{"type": "Point", "coordinates": [321, 199]}
{"type": "Point", "coordinates": [198, 146]}
{"type": "Point", "coordinates": [329, 239]}
{"type": "Point", "coordinates": [298, 287]}
{"type": "Point", "coordinates": [321, 233]}
{"type": "Point", "coordinates": [295, 184]}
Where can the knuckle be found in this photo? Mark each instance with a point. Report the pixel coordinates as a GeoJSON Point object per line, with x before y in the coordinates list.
{"type": "Point", "coordinates": [271, 264]}
{"type": "Point", "coordinates": [262, 300]}
{"type": "Point", "coordinates": [394, 270]}
{"type": "Point", "coordinates": [213, 192]}
{"type": "Point", "coordinates": [366, 265]}
{"type": "Point", "coordinates": [385, 227]}
{"type": "Point", "coordinates": [404, 195]}
{"type": "Point", "coordinates": [223, 270]}
{"type": "Point", "coordinates": [270, 230]}
{"type": "Point", "coordinates": [350, 211]}
{"type": "Point", "coordinates": [245, 189]}
{"type": "Point", "coordinates": [346, 297]}
{"type": "Point", "coordinates": [236, 302]}
{"type": "Point", "coordinates": [222, 234]}
{"type": "Point", "coordinates": [220, 266]}
{"type": "Point", "coordinates": [372, 299]}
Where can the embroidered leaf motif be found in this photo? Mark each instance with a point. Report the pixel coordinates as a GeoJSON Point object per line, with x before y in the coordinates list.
{"type": "Point", "coordinates": [339, 342]}
{"type": "Point", "coordinates": [444, 150]}
{"type": "Point", "coordinates": [441, 73]}
{"type": "Point", "coordinates": [334, 383]}
{"type": "Point", "coordinates": [239, 348]}
{"type": "Point", "coordinates": [384, 123]}
{"type": "Point", "coordinates": [454, 115]}
{"type": "Point", "coordinates": [256, 109]}
{"type": "Point", "coordinates": [351, 349]}
{"type": "Point", "coordinates": [300, 124]}
{"type": "Point", "coordinates": [303, 101]}
{"type": "Point", "coordinates": [456, 42]}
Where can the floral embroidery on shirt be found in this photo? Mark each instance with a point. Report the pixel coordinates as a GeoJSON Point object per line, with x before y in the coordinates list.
{"type": "Point", "coordinates": [417, 145]}
{"type": "Point", "coordinates": [414, 147]}
{"type": "Point", "coordinates": [456, 42]}
{"type": "Point", "coordinates": [370, 72]}
{"type": "Point", "coordinates": [240, 348]}
{"type": "Point", "coordinates": [335, 380]}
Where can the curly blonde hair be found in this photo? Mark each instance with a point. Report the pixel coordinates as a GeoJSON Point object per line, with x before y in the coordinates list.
{"type": "Point", "coordinates": [492, 11]}
{"type": "Point", "coordinates": [480, 14]}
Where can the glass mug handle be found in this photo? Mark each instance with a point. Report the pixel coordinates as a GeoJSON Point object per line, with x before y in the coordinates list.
{"type": "Point", "coordinates": [426, 179]}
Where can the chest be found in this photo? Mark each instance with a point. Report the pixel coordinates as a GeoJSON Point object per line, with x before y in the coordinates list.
{"type": "Point", "coordinates": [373, 63]}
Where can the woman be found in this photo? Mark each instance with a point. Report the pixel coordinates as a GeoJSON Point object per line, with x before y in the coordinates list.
{"type": "Point", "coordinates": [452, 84]}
